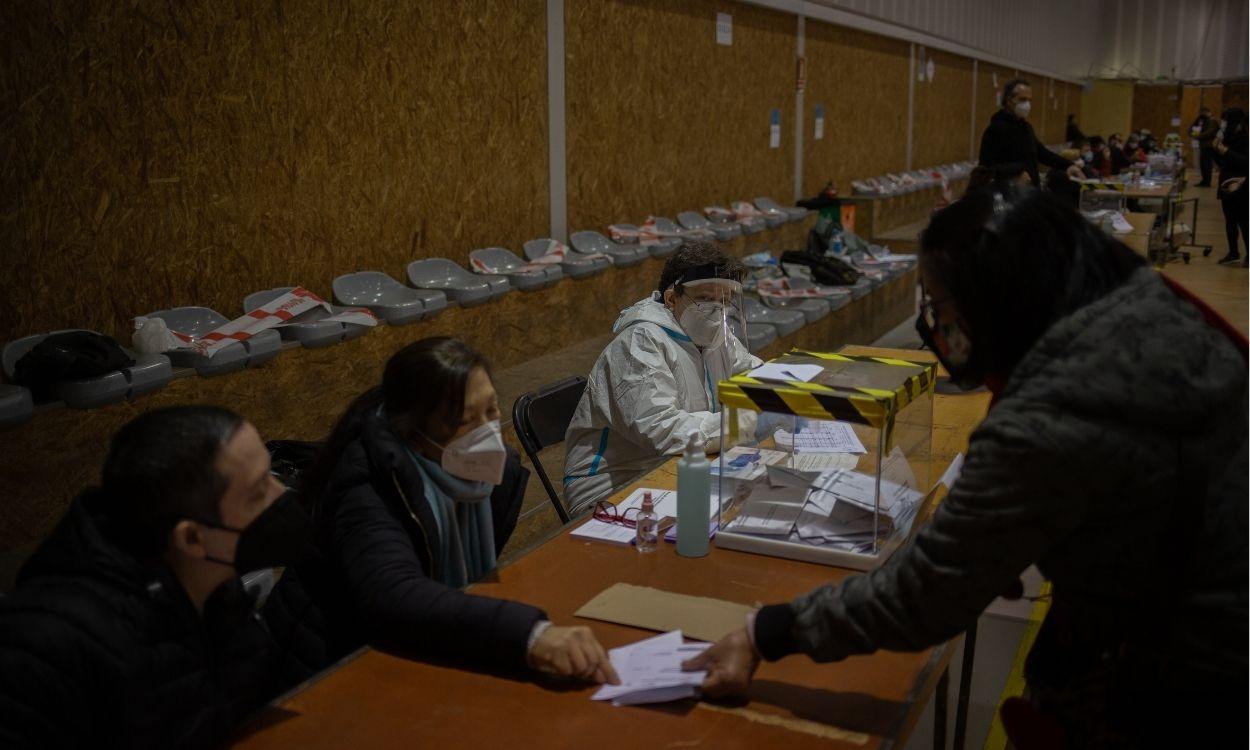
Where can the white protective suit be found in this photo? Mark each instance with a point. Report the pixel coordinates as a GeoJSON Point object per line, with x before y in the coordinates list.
{"type": "Point", "coordinates": [649, 388]}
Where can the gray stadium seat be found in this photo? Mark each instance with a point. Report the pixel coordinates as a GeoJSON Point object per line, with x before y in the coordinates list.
{"type": "Point", "coordinates": [311, 331]}
{"type": "Point", "coordinates": [387, 298]}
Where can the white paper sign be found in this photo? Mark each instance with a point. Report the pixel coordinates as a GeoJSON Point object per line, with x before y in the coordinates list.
{"type": "Point", "coordinates": [1176, 121]}
{"type": "Point", "coordinates": [929, 67]}
{"type": "Point", "coordinates": [774, 130]}
{"type": "Point", "coordinates": [820, 122]}
{"type": "Point", "coordinates": [724, 29]}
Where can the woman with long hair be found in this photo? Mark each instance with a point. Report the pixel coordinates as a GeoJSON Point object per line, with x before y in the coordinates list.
{"type": "Point", "coordinates": [414, 496]}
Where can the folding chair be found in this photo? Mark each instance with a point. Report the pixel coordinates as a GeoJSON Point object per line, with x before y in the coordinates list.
{"type": "Point", "coordinates": [540, 419]}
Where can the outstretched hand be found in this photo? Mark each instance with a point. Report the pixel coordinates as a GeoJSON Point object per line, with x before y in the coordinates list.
{"type": "Point", "coordinates": [730, 664]}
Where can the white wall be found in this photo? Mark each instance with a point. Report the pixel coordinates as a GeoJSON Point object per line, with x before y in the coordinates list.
{"type": "Point", "coordinates": [1176, 39]}
{"type": "Point", "coordinates": [1190, 40]}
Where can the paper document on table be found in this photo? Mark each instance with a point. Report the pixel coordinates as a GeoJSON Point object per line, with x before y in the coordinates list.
{"type": "Point", "coordinates": [783, 371]}
{"type": "Point", "coordinates": [650, 671]}
{"type": "Point", "coordinates": [699, 617]}
{"type": "Point", "coordinates": [741, 462]}
{"type": "Point", "coordinates": [665, 502]}
{"type": "Point", "coordinates": [953, 471]}
{"type": "Point", "coordinates": [822, 437]}
{"type": "Point", "coordinates": [769, 519]}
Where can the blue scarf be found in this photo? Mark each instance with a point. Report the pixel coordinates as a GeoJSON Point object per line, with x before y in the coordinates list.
{"type": "Point", "coordinates": [466, 529]}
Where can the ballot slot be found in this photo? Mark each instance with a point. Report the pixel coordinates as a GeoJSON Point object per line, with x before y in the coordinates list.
{"type": "Point", "coordinates": [837, 463]}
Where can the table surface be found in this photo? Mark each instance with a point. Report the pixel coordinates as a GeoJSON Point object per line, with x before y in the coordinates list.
{"type": "Point", "coordinates": [375, 699]}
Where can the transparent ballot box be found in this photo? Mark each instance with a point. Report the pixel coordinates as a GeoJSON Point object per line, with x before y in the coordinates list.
{"type": "Point", "coordinates": [825, 457]}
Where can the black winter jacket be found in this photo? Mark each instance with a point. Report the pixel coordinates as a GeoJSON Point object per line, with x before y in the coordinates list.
{"type": "Point", "coordinates": [100, 650]}
{"type": "Point", "coordinates": [382, 545]}
{"type": "Point", "coordinates": [1009, 144]}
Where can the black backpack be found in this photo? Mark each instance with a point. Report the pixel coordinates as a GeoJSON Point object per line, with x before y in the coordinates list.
{"type": "Point", "coordinates": [826, 270]}
{"type": "Point", "coordinates": [71, 355]}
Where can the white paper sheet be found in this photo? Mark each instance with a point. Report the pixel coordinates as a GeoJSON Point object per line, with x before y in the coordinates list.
{"type": "Point", "coordinates": [650, 671]}
{"type": "Point", "coordinates": [822, 437]}
{"type": "Point", "coordinates": [781, 371]}
{"type": "Point", "coordinates": [953, 471]}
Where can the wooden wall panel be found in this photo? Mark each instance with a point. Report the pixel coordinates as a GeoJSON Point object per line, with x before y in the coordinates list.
{"type": "Point", "coordinates": [943, 109]}
{"type": "Point", "coordinates": [1235, 95]}
{"type": "Point", "coordinates": [661, 119]}
{"type": "Point", "coordinates": [161, 154]}
{"type": "Point", "coordinates": [861, 81]}
{"type": "Point", "coordinates": [1154, 107]}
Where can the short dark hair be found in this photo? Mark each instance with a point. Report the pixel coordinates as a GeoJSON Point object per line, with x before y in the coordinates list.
{"type": "Point", "coordinates": [695, 254]}
{"type": "Point", "coordinates": [1015, 260]}
{"type": "Point", "coordinates": [1009, 88]}
{"type": "Point", "coordinates": [161, 469]}
{"type": "Point", "coordinates": [1096, 142]}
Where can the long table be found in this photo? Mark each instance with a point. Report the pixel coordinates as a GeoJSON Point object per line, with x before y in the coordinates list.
{"type": "Point", "coordinates": [379, 700]}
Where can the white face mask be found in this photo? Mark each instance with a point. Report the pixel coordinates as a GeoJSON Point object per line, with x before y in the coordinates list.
{"type": "Point", "coordinates": [704, 323]}
{"type": "Point", "coordinates": [1088, 156]}
{"type": "Point", "coordinates": [1022, 109]}
{"type": "Point", "coordinates": [476, 456]}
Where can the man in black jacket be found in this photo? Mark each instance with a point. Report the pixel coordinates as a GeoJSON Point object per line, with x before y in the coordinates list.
{"type": "Point", "coordinates": [1009, 144]}
{"type": "Point", "coordinates": [130, 625]}
{"type": "Point", "coordinates": [1204, 130]}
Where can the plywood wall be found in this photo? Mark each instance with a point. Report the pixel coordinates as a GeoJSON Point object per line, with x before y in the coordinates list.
{"type": "Point", "coordinates": [1107, 107]}
{"type": "Point", "coordinates": [943, 110]}
{"type": "Point", "coordinates": [161, 154]}
{"type": "Point", "coordinates": [1155, 106]}
{"type": "Point", "coordinates": [861, 82]}
{"type": "Point", "coordinates": [662, 119]}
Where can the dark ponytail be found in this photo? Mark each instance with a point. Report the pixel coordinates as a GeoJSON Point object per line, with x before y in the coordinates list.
{"type": "Point", "coordinates": [422, 392]}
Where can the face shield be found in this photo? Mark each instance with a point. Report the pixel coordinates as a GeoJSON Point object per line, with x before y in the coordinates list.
{"type": "Point", "coordinates": [709, 310]}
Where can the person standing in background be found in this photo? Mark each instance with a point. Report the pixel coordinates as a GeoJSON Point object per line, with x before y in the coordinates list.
{"type": "Point", "coordinates": [1230, 145]}
{"type": "Point", "coordinates": [1009, 140]}
{"type": "Point", "coordinates": [1203, 131]}
{"type": "Point", "coordinates": [1073, 132]}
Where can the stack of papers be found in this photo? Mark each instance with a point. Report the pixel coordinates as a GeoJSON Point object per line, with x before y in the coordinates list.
{"type": "Point", "coordinates": [748, 464]}
{"type": "Point", "coordinates": [665, 502]}
{"type": "Point", "coordinates": [650, 671]}
{"type": "Point", "coordinates": [784, 372]}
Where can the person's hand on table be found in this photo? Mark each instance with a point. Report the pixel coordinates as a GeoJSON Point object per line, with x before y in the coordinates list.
{"type": "Point", "coordinates": [730, 664]}
{"type": "Point", "coordinates": [1075, 172]}
{"type": "Point", "coordinates": [572, 652]}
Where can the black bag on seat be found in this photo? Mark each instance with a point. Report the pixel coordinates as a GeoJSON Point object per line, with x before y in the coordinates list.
{"type": "Point", "coordinates": [71, 355]}
{"type": "Point", "coordinates": [826, 270]}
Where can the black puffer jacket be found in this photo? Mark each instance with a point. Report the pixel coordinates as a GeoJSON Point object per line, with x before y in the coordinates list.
{"type": "Point", "coordinates": [382, 544]}
{"type": "Point", "coordinates": [99, 650]}
{"type": "Point", "coordinates": [1010, 145]}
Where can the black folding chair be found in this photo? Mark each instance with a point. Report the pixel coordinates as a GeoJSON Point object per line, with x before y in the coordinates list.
{"type": "Point", "coordinates": [540, 419]}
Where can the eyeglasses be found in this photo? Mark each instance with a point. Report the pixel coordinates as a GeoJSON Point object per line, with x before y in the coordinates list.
{"type": "Point", "coordinates": [609, 513]}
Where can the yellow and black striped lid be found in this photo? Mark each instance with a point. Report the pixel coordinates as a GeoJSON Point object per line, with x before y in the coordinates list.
{"type": "Point", "coordinates": [851, 387]}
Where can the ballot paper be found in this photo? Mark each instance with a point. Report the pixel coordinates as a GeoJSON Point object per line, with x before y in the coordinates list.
{"type": "Point", "coordinates": [953, 471]}
{"type": "Point", "coordinates": [821, 437]}
{"type": "Point", "coordinates": [861, 489]}
{"type": "Point", "coordinates": [650, 671]}
{"type": "Point", "coordinates": [741, 462]}
{"type": "Point", "coordinates": [665, 505]}
{"type": "Point", "coordinates": [784, 371]}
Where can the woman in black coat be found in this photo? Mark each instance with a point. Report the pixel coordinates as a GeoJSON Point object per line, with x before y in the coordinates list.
{"type": "Point", "coordinates": [1230, 152]}
{"type": "Point", "coordinates": [414, 496]}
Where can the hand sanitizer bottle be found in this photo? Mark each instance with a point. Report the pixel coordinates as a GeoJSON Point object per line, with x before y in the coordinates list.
{"type": "Point", "coordinates": [646, 536]}
{"type": "Point", "coordinates": [694, 497]}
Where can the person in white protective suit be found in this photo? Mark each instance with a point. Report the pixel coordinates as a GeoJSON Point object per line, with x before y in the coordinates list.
{"type": "Point", "coordinates": [656, 381]}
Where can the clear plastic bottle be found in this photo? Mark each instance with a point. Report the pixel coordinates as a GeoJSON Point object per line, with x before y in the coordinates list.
{"type": "Point", "coordinates": [647, 537]}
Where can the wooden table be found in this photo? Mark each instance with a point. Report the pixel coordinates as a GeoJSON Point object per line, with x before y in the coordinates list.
{"type": "Point", "coordinates": [376, 699]}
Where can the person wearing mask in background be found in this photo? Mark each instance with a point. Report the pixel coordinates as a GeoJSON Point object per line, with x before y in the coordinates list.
{"type": "Point", "coordinates": [1230, 151]}
{"type": "Point", "coordinates": [131, 625]}
{"type": "Point", "coordinates": [414, 496]}
{"type": "Point", "coordinates": [1203, 131]}
{"type": "Point", "coordinates": [1114, 458]}
{"type": "Point", "coordinates": [1097, 158]}
{"type": "Point", "coordinates": [1133, 152]}
{"type": "Point", "coordinates": [655, 383]}
{"type": "Point", "coordinates": [1009, 140]}
{"type": "Point", "coordinates": [1119, 161]}
{"type": "Point", "coordinates": [1073, 134]}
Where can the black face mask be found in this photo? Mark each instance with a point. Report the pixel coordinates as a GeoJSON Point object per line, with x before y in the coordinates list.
{"type": "Point", "coordinates": [966, 374]}
{"type": "Point", "coordinates": [281, 535]}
